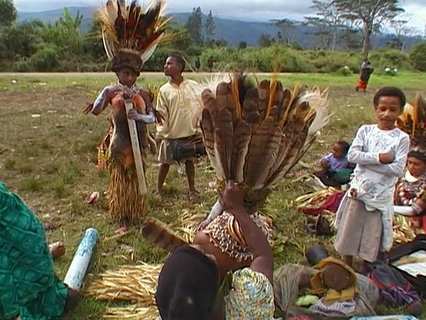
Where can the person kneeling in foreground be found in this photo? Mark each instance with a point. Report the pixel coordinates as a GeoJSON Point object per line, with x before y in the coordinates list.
{"type": "Point", "coordinates": [29, 288]}
{"type": "Point", "coordinates": [188, 284]}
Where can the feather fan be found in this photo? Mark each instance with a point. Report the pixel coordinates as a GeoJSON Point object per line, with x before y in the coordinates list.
{"type": "Point", "coordinates": [255, 135]}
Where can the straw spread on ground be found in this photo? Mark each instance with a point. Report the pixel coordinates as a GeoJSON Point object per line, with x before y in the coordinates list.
{"type": "Point", "coordinates": [134, 283]}
{"type": "Point", "coordinates": [137, 283]}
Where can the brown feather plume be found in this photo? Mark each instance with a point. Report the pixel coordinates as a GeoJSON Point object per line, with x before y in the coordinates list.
{"type": "Point", "coordinates": [242, 135]}
{"type": "Point", "coordinates": [255, 135]}
{"type": "Point", "coordinates": [159, 234]}
{"type": "Point", "coordinates": [263, 90]}
{"type": "Point", "coordinates": [207, 128]}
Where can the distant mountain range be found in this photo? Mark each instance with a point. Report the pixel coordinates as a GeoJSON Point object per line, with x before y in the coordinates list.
{"type": "Point", "coordinates": [51, 16]}
{"type": "Point", "coordinates": [233, 31]}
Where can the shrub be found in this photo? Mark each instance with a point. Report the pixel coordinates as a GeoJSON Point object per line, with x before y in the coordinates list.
{"type": "Point", "coordinates": [45, 59]}
{"type": "Point", "coordinates": [271, 58]}
{"type": "Point", "coordinates": [22, 66]}
{"type": "Point", "coordinates": [390, 58]}
{"type": "Point", "coordinates": [418, 56]}
{"type": "Point", "coordinates": [332, 61]}
{"type": "Point", "coordinates": [344, 71]}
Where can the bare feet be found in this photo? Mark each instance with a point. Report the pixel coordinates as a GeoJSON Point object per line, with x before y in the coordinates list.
{"type": "Point", "coordinates": [159, 193]}
{"type": "Point", "coordinates": [124, 226]}
{"type": "Point", "coordinates": [122, 229]}
{"type": "Point", "coordinates": [193, 196]}
{"type": "Point", "coordinates": [57, 249]}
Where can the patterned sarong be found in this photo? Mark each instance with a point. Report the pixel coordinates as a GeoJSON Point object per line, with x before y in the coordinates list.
{"type": "Point", "coordinates": [29, 287]}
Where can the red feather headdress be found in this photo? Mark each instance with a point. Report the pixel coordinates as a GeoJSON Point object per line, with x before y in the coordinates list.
{"type": "Point", "coordinates": [131, 33]}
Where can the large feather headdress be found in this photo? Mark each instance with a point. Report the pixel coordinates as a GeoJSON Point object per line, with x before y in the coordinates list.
{"type": "Point", "coordinates": [131, 33]}
{"type": "Point", "coordinates": [256, 134]}
{"type": "Point", "coordinates": [413, 122]}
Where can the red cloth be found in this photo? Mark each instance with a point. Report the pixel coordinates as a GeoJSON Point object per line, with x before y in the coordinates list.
{"type": "Point", "coordinates": [331, 203]}
{"type": "Point", "coordinates": [362, 84]}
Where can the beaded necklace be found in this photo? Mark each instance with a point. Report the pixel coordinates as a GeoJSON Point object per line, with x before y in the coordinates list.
{"type": "Point", "coordinates": [410, 188]}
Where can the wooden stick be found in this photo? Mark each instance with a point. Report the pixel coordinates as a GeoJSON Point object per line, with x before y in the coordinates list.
{"type": "Point", "coordinates": [136, 149]}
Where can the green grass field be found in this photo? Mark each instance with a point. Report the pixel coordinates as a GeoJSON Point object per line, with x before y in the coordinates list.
{"type": "Point", "coordinates": [48, 154]}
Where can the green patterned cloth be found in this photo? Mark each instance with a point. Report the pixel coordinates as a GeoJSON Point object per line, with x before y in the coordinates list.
{"type": "Point", "coordinates": [29, 287]}
{"type": "Point", "coordinates": [251, 297]}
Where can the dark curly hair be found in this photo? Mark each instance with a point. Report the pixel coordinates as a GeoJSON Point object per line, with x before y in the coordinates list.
{"type": "Point", "coordinates": [179, 60]}
{"type": "Point", "coordinates": [390, 92]}
{"type": "Point", "coordinates": [345, 146]}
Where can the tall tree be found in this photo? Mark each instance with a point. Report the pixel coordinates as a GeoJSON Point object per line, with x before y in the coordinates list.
{"type": "Point", "coordinates": [371, 13]}
{"type": "Point", "coordinates": [209, 25]}
{"type": "Point", "coordinates": [242, 45]}
{"type": "Point", "coordinates": [286, 28]}
{"type": "Point", "coordinates": [65, 34]}
{"type": "Point", "coordinates": [264, 40]}
{"type": "Point", "coordinates": [69, 22]}
{"type": "Point", "coordinates": [402, 31]}
{"type": "Point", "coordinates": [327, 22]}
{"type": "Point", "coordinates": [194, 25]}
{"type": "Point", "coordinates": [21, 40]}
{"type": "Point", "coordinates": [398, 26]}
{"type": "Point", "coordinates": [424, 30]}
{"type": "Point", "coordinates": [7, 13]}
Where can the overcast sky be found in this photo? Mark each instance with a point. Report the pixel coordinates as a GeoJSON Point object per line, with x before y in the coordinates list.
{"type": "Point", "coordinates": [251, 10]}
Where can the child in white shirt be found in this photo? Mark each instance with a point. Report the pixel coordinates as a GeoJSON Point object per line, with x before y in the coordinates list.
{"type": "Point", "coordinates": [364, 218]}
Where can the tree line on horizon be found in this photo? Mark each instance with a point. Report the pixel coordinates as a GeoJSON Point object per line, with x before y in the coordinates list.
{"type": "Point", "coordinates": [62, 46]}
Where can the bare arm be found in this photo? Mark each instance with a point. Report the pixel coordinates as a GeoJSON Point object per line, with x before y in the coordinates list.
{"type": "Point", "coordinates": [254, 237]}
{"type": "Point", "coordinates": [103, 99]}
{"type": "Point", "coordinates": [216, 210]}
{"type": "Point", "coordinates": [145, 118]}
{"type": "Point", "coordinates": [324, 162]}
{"type": "Point", "coordinates": [151, 116]}
{"type": "Point", "coordinates": [417, 208]}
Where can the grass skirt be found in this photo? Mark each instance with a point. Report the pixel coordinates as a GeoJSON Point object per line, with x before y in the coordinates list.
{"type": "Point", "coordinates": [125, 200]}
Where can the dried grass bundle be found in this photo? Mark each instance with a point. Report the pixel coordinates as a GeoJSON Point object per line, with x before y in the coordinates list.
{"type": "Point", "coordinates": [133, 312]}
{"type": "Point", "coordinates": [129, 283]}
{"type": "Point", "coordinates": [186, 225]}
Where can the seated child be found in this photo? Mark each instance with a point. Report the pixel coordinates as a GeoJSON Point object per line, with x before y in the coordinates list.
{"type": "Point", "coordinates": [410, 191]}
{"type": "Point", "coordinates": [335, 169]}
